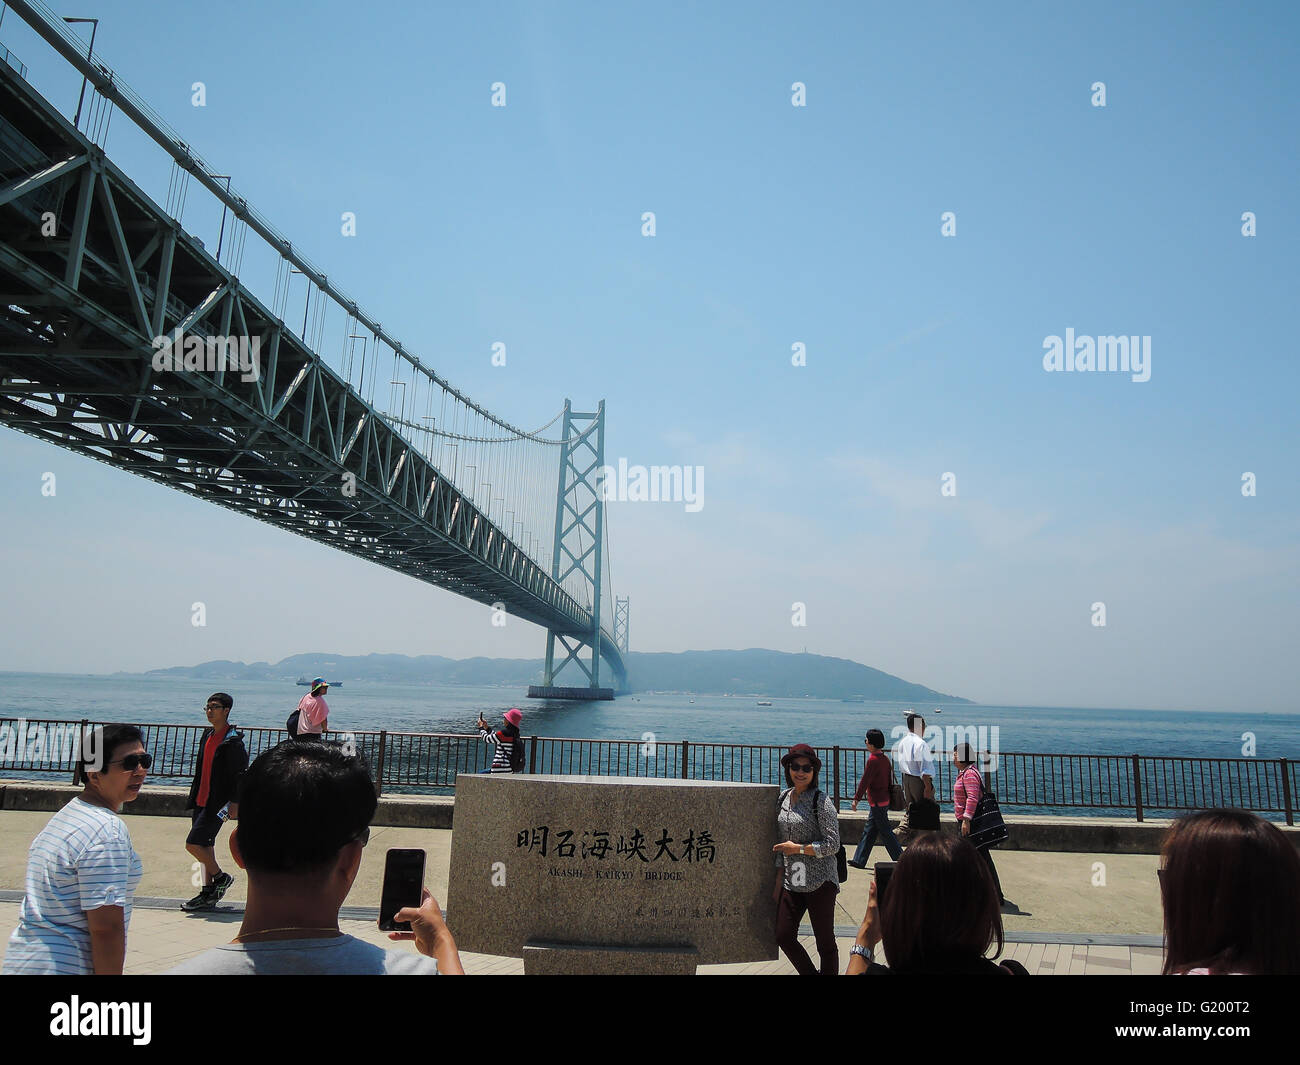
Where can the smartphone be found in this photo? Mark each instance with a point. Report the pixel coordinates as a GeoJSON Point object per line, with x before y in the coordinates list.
{"type": "Point", "coordinates": [403, 886]}
{"type": "Point", "coordinates": [884, 870]}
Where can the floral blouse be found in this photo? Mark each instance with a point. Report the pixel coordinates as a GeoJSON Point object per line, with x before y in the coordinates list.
{"type": "Point", "coordinates": [802, 824]}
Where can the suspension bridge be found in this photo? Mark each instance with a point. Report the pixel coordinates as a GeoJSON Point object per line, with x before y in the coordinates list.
{"type": "Point", "coordinates": [123, 337]}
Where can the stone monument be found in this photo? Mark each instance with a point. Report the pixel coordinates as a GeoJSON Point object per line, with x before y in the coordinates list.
{"type": "Point", "coordinates": [593, 874]}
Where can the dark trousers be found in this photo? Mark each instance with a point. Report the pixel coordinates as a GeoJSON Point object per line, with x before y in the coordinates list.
{"type": "Point", "coordinates": [913, 789]}
{"type": "Point", "coordinates": [997, 883]}
{"type": "Point", "coordinates": [878, 828]}
{"type": "Point", "coordinates": [820, 907]}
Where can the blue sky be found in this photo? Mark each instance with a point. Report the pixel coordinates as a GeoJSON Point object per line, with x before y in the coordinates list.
{"type": "Point", "coordinates": [775, 224]}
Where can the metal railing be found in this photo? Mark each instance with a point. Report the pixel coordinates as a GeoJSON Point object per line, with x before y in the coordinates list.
{"type": "Point", "coordinates": [429, 762]}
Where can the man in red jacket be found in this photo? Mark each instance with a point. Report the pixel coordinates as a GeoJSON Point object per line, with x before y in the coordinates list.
{"type": "Point", "coordinates": [214, 796]}
{"type": "Point", "coordinates": [875, 783]}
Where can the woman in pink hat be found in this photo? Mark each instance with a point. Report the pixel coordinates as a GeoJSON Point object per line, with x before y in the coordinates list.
{"type": "Point", "coordinates": [508, 753]}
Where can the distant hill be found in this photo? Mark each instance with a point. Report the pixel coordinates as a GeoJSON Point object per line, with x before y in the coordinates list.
{"type": "Point", "coordinates": [751, 672]}
{"type": "Point", "coordinates": [760, 672]}
{"type": "Point", "coordinates": [394, 669]}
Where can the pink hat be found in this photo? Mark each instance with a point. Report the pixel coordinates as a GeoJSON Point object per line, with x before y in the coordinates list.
{"type": "Point", "coordinates": [514, 716]}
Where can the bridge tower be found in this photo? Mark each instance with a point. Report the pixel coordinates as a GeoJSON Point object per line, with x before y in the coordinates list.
{"type": "Point", "coordinates": [579, 547]}
{"type": "Point", "coordinates": [622, 608]}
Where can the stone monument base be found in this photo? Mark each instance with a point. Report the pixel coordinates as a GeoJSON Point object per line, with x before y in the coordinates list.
{"type": "Point", "coordinates": [574, 959]}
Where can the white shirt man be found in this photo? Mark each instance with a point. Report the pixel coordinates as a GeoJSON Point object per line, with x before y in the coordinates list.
{"type": "Point", "coordinates": [915, 762]}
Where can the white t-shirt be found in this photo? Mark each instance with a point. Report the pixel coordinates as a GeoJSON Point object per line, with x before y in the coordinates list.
{"type": "Point", "coordinates": [912, 756]}
{"type": "Point", "coordinates": [336, 956]}
{"type": "Point", "coordinates": [82, 860]}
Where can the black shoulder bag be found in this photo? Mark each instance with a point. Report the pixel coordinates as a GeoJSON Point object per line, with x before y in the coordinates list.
{"type": "Point", "coordinates": [987, 829]}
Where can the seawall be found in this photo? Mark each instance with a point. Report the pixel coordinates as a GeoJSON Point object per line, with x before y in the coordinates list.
{"type": "Point", "coordinates": [1028, 832]}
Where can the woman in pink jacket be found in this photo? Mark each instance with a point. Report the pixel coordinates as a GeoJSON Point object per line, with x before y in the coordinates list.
{"type": "Point", "coordinates": [966, 793]}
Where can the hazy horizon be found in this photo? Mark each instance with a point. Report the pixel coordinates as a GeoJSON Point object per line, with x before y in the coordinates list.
{"type": "Point", "coordinates": [741, 695]}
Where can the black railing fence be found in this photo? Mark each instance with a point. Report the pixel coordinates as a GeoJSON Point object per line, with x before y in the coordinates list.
{"type": "Point", "coordinates": [407, 762]}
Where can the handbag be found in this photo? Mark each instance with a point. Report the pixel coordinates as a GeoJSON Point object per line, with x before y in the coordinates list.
{"type": "Point", "coordinates": [987, 829]}
{"type": "Point", "coordinates": [923, 814]}
{"type": "Point", "coordinates": [291, 726]}
{"type": "Point", "coordinates": [897, 797]}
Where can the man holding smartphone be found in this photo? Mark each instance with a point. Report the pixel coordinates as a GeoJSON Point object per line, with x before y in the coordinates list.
{"type": "Point", "coordinates": [304, 819]}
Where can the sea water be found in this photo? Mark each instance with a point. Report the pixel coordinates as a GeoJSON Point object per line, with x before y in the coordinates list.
{"type": "Point", "coordinates": [822, 723]}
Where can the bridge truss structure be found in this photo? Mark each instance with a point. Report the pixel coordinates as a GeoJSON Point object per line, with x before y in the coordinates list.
{"type": "Point", "coordinates": [123, 338]}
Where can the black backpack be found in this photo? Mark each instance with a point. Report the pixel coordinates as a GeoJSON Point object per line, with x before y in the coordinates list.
{"type": "Point", "coordinates": [517, 755]}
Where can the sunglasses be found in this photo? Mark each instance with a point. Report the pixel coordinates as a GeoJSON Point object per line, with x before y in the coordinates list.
{"type": "Point", "coordinates": [132, 762]}
{"type": "Point", "coordinates": [801, 767]}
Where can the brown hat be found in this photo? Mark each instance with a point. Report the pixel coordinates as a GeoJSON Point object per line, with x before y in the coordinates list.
{"type": "Point", "coordinates": [801, 749]}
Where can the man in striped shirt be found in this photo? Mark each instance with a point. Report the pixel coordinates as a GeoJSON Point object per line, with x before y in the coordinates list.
{"type": "Point", "coordinates": [82, 871]}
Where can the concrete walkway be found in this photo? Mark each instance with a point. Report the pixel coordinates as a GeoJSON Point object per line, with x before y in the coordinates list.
{"type": "Point", "coordinates": [162, 936]}
{"type": "Point", "coordinates": [1094, 913]}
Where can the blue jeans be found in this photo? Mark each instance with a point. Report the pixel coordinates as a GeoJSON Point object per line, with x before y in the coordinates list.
{"type": "Point", "coordinates": [878, 825]}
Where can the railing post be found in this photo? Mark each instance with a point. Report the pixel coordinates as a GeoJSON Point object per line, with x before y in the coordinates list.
{"type": "Point", "coordinates": [532, 754]}
{"type": "Point", "coordinates": [76, 762]}
{"type": "Point", "coordinates": [835, 774]}
{"type": "Point", "coordinates": [379, 762]}
{"type": "Point", "coordinates": [1286, 791]}
{"type": "Point", "coordinates": [1137, 786]}
{"type": "Point", "coordinates": [685, 757]}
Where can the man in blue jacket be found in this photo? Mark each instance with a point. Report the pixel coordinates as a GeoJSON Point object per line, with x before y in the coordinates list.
{"type": "Point", "coordinates": [214, 795]}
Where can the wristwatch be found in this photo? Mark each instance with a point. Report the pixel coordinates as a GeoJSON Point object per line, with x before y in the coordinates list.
{"type": "Point", "coordinates": [863, 952]}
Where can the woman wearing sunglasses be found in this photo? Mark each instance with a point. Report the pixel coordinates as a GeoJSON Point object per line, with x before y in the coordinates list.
{"type": "Point", "coordinates": [82, 871]}
{"type": "Point", "coordinates": [806, 880]}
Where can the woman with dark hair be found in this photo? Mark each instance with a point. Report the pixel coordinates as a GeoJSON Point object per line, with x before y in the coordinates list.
{"type": "Point", "coordinates": [82, 871]}
{"type": "Point", "coordinates": [967, 790]}
{"type": "Point", "coordinates": [1230, 887]}
{"type": "Point", "coordinates": [807, 880]}
{"type": "Point", "coordinates": [939, 917]}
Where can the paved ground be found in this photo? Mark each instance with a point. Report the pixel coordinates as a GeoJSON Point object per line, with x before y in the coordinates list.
{"type": "Point", "coordinates": [1076, 913]}
{"type": "Point", "coordinates": [1055, 892]}
{"type": "Point", "coordinates": [161, 937]}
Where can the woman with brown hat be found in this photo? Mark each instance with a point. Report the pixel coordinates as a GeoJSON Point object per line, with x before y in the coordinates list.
{"type": "Point", "coordinates": [806, 881]}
